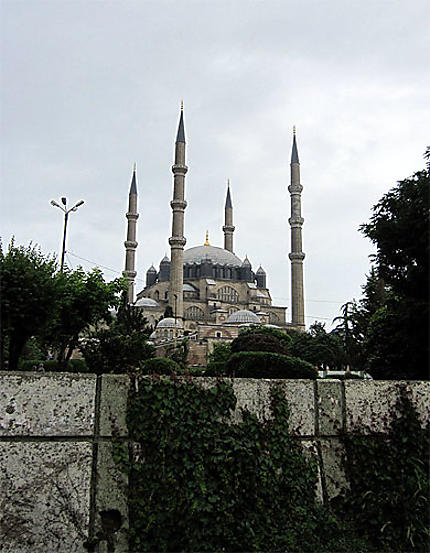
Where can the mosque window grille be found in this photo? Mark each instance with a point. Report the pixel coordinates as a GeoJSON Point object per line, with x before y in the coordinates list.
{"type": "Point", "coordinates": [228, 294]}
{"type": "Point", "coordinates": [194, 313]}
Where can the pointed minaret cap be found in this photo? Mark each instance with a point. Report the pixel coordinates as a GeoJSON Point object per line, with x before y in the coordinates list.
{"type": "Point", "coordinates": [133, 186]}
{"type": "Point", "coordinates": [180, 137]}
{"type": "Point", "coordinates": [261, 271]}
{"type": "Point", "coordinates": [294, 153]}
{"type": "Point", "coordinates": [228, 197]}
{"type": "Point", "coordinates": [246, 262]}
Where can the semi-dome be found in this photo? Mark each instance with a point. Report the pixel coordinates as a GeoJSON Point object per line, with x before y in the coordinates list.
{"type": "Point", "coordinates": [198, 254]}
{"type": "Point", "coordinates": [146, 302]}
{"type": "Point", "coordinates": [170, 322]}
{"type": "Point", "coordinates": [243, 316]}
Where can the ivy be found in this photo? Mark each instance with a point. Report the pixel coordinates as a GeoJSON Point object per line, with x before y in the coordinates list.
{"type": "Point", "coordinates": [201, 482]}
{"type": "Point", "coordinates": [390, 487]}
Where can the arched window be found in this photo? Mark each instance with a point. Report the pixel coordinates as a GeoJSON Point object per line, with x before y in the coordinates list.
{"type": "Point", "coordinates": [232, 310]}
{"type": "Point", "coordinates": [157, 295]}
{"type": "Point", "coordinates": [228, 294]}
{"type": "Point", "coordinates": [194, 313]}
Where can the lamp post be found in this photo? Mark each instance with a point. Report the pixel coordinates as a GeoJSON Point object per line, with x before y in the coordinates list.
{"type": "Point", "coordinates": [66, 218]}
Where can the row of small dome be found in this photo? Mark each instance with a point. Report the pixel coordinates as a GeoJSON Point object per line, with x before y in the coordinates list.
{"type": "Point", "coordinates": [212, 254]}
{"type": "Point", "coordinates": [243, 316]}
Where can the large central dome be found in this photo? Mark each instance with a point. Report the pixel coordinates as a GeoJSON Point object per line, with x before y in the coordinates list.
{"type": "Point", "coordinates": [198, 254]}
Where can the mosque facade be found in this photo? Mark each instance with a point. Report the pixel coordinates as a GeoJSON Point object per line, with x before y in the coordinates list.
{"type": "Point", "coordinates": [208, 292]}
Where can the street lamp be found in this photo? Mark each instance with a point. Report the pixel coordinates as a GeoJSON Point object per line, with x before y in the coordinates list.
{"type": "Point", "coordinates": [66, 218]}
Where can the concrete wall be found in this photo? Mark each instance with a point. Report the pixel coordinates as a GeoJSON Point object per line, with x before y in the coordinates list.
{"type": "Point", "coordinates": [59, 484]}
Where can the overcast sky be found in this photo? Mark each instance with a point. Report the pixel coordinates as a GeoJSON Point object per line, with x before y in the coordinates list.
{"type": "Point", "coordinates": [90, 87]}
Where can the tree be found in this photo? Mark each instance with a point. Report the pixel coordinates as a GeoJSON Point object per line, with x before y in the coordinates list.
{"type": "Point", "coordinates": [120, 347]}
{"type": "Point", "coordinates": [395, 307]}
{"type": "Point", "coordinates": [317, 346]}
{"type": "Point", "coordinates": [83, 300]}
{"type": "Point", "coordinates": [27, 299]}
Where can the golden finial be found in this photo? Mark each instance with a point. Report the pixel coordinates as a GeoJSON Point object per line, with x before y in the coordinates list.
{"type": "Point", "coordinates": [294, 129]}
{"type": "Point", "coordinates": [207, 239]}
{"type": "Point", "coordinates": [182, 105]}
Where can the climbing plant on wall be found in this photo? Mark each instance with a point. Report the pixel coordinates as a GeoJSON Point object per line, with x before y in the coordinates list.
{"type": "Point", "coordinates": [200, 482]}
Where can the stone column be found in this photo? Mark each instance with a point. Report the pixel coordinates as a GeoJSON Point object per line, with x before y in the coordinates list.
{"type": "Point", "coordinates": [177, 241]}
{"type": "Point", "coordinates": [296, 256]}
{"type": "Point", "coordinates": [228, 227]}
{"type": "Point", "coordinates": [130, 244]}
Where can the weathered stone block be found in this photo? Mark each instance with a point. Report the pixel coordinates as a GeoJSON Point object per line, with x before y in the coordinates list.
{"type": "Point", "coordinates": [300, 395]}
{"type": "Point", "coordinates": [45, 496]}
{"type": "Point", "coordinates": [310, 449]}
{"type": "Point", "coordinates": [329, 406]}
{"type": "Point", "coordinates": [370, 404]}
{"type": "Point", "coordinates": [51, 404]}
{"type": "Point", "coordinates": [112, 498]}
{"type": "Point", "coordinates": [113, 404]}
{"type": "Point", "coordinates": [333, 455]}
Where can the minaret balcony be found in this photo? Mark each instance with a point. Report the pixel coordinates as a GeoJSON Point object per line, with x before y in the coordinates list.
{"type": "Point", "coordinates": [179, 169]}
{"type": "Point", "coordinates": [295, 188]}
{"type": "Point", "coordinates": [130, 244]}
{"type": "Point", "coordinates": [177, 241]}
{"type": "Point", "coordinates": [178, 205]}
{"type": "Point", "coordinates": [296, 221]}
{"type": "Point", "coordinates": [227, 228]}
{"type": "Point", "coordinates": [296, 256]}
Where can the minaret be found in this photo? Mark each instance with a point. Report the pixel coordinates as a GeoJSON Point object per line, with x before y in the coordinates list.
{"type": "Point", "coordinates": [177, 240]}
{"type": "Point", "coordinates": [130, 244]}
{"type": "Point", "coordinates": [296, 256]}
{"type": "Point", "coordinates": [228, 227]}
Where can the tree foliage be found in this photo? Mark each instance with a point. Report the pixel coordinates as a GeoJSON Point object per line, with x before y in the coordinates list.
{"type": "Point", "coordinates": [49, 307]}
{"type": "Point", "coordinates": [27, 299]}
{"type": "Point", "coordinates": [122, 345]}
{"type": "Point", "coordinates": [83, 300]}
{"type": "Point", "coordinates": [387, 331]}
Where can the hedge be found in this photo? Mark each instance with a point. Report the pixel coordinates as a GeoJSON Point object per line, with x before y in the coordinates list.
{"type": "Point", "coordinates": [52, 365]}
{"type": "Point", "coordinates": [160, 365]}
{"type": "Point", "coordinates": [260, 364]}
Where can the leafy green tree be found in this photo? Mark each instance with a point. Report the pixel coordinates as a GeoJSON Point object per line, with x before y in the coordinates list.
{"type": "Point", "coordinates": [120, 347]}
{"type": "Point", "coordinates": [27, 299]}
{"type": "Point", "coordinates": [317, 346]}
{"type": "Point", "coordinates": [396, 310]}
{"type": "Point", "coordinates": [83, 300]}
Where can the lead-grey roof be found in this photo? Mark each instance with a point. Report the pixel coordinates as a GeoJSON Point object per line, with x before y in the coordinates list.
{"type": "Point", "coordinates": [198, 254]}
{"type": "Point", "coordinates": [146, 302]}
{"type": "Point", "coordinates": [294, 153]}
{"type": "Point", "coordinates": [243, 316]}
{"type": "Point", "coordinates": [228, 198]}
{"type": "Point", "coordinates": [133, 186]}
{"type": "Point", "coordinates": [180, 137]}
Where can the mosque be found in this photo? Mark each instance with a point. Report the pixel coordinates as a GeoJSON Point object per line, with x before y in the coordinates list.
{"type": "Point", "coordinates": [208, 292]}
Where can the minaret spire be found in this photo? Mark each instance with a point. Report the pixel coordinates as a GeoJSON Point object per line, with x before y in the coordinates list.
{"type": "Point", "coordinates": [130, 244]}
{"type": "Point", "coordinates": [296, 256]}
{"type": "Point", "coordinates": [177, 240]}
{"type": "Point", "coordinates": [228, 227]}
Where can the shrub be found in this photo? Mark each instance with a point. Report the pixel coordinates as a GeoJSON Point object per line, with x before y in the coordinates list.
{"type": "Point", "coordinates": [52, 365]}
{"type": "Point", "coordinates": [216, 368]}
{"type": "Point", "coordinates": [160, 365]}
{"type": "Point", "coordinates": [283, 337]}
{"type": "Point", "coordinates": [257, 341]}
{"type": "Point", "coordinates": [260, 364]}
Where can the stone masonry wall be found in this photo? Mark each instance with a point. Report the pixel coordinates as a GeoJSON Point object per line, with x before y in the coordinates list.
{"type": "Point", "coordinates": [59, 486]}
